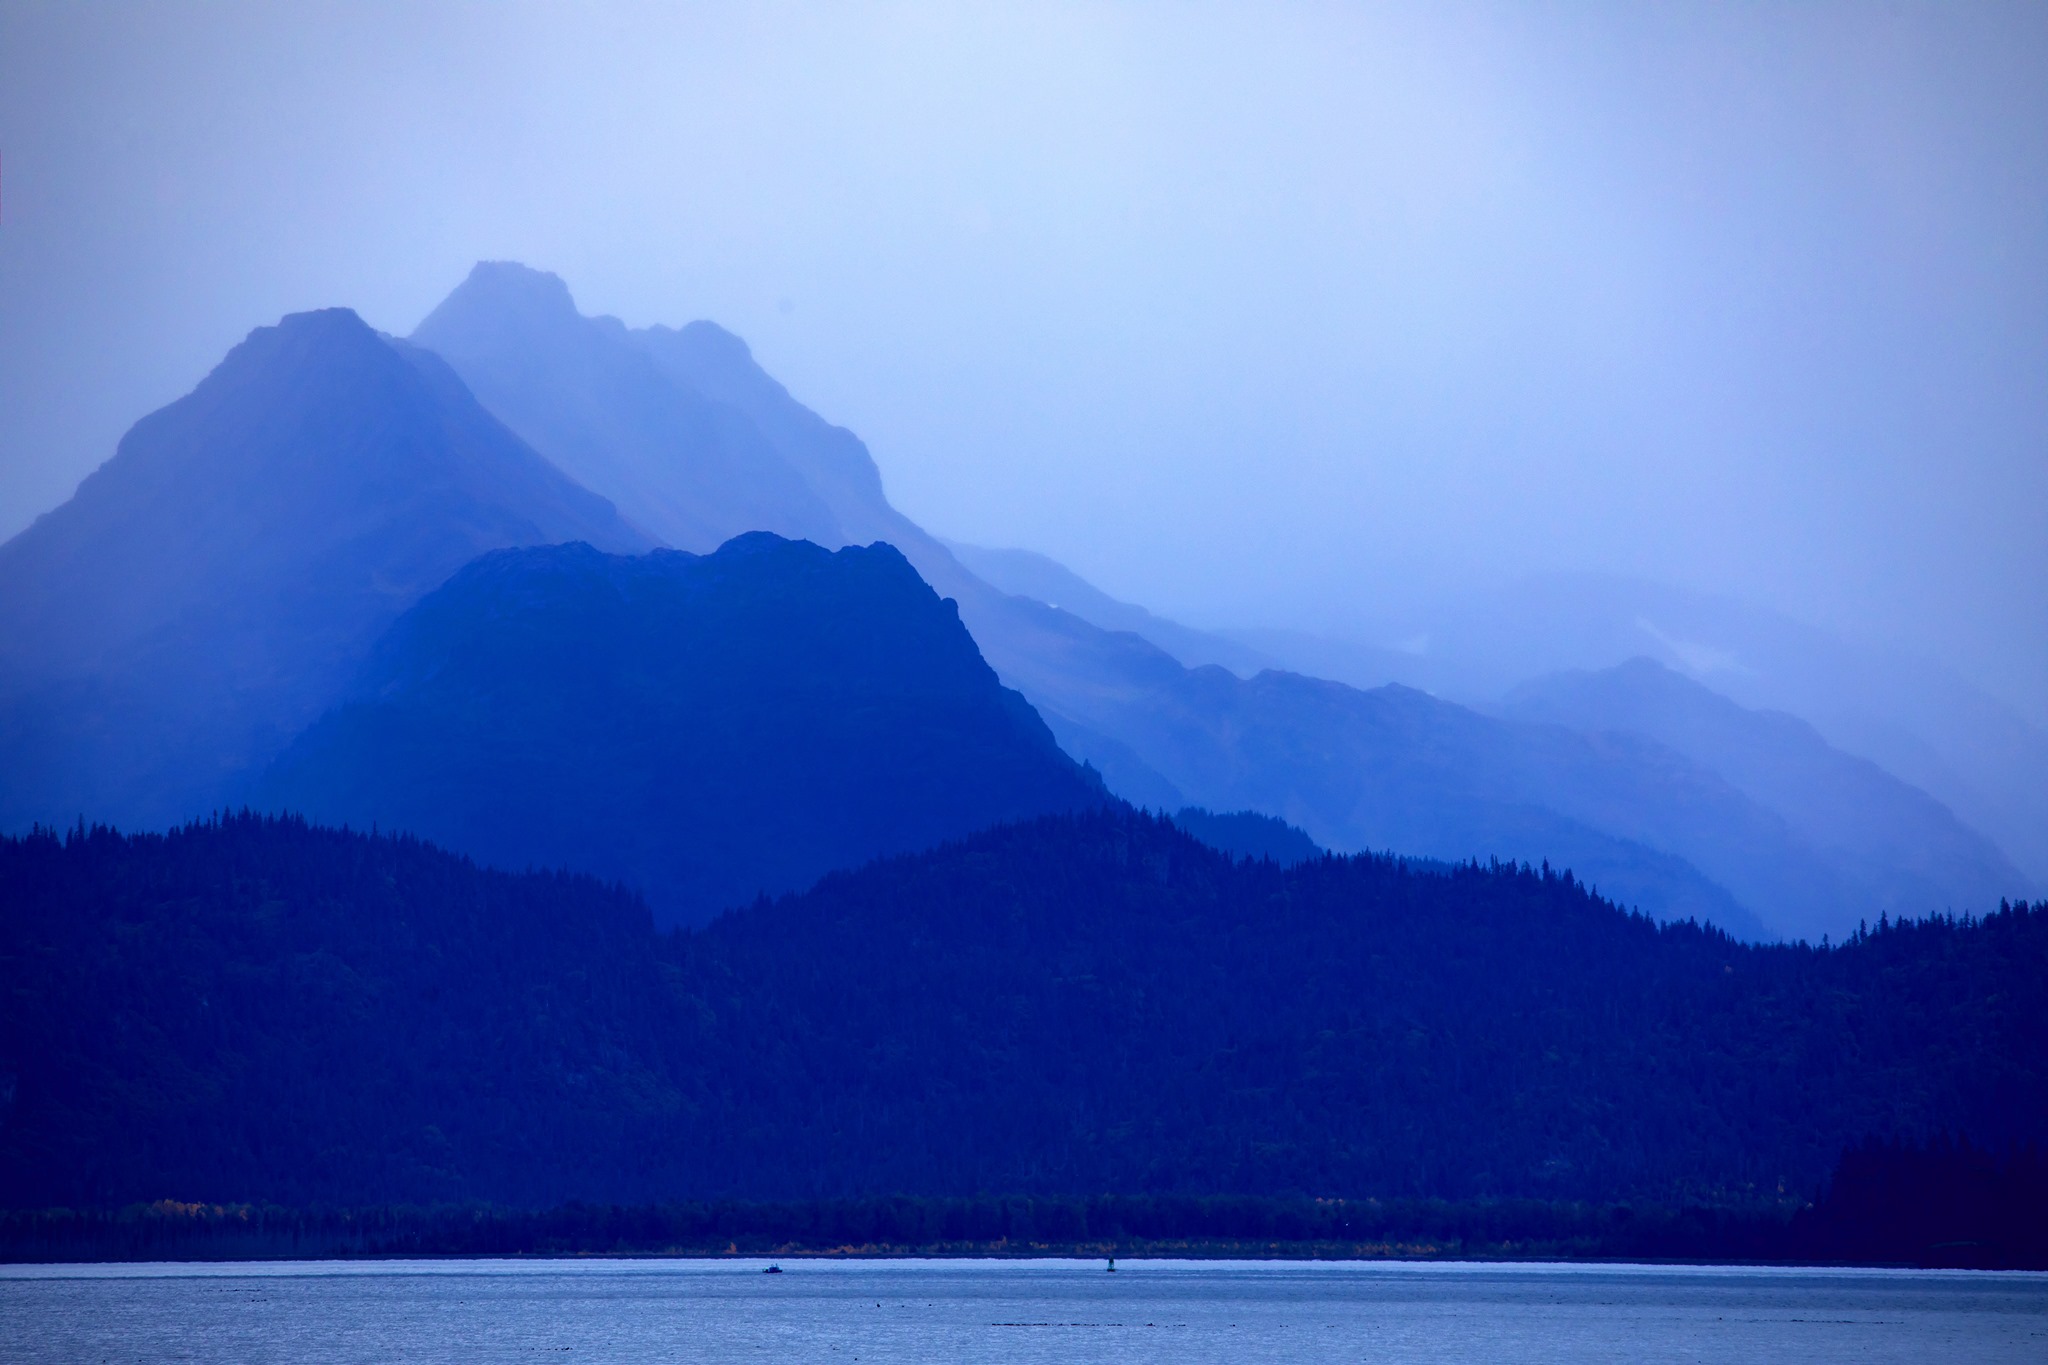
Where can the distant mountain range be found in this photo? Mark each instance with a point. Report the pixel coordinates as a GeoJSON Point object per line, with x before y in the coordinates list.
{"type": "Point", "coordinates": [706, 729]}
{"type": "Point", "coordinates": [1912, 716]}
{"type": "Point", "coordinates": [1135, 695]}
{"type": "Point", "coordinates": [255, 1011]}
{"type": "Point", "coordinates": [1899, 849]}
{"type": "Point", "coordinates": [1977, 757]}
{"type": "Point", "coordinates": [221, 582]}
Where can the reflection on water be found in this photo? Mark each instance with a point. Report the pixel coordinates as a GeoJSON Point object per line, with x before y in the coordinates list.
{"type": "Point", "coordinates": [903, 1311]}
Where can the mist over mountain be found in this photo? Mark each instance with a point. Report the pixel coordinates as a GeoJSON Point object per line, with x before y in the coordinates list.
{"type": "Point", "coordinates": [1375, 631]}
{"type": "Point", "coordinates": [1394, 768]}
{"type": "Point", "coordinates": [682, 428]}
{"type": "Point", "coordinates": [1905, 852]}
{"type": "Point", "coordinates": [679, 426]}
{"type": "Point", "coordinates": [703, 728]}
{"type": "Point", "coordinates": [1971, 752]}
{"type": "Point", "coordinates": [1098, 689]}
{"type": "Point", "coordinates": [695, 441]}
{"type": "Point", "coordinates": [1861, 837]}
{"type": "Point", "coordinates": [1912, 716]}
{"type": "Point", "coordinates": [1026, 573]}
{"type": "Point", "coordinates": [1355, 770]}
{"type": "Point", "coordinates": [200, 597]}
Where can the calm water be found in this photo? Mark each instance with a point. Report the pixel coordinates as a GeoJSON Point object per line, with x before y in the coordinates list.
{"type": "Point", "coordinates": [901, 1311]}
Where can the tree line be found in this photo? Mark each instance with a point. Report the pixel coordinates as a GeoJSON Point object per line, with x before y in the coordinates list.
{"type": "Point", "coordinates": [252, 1011]}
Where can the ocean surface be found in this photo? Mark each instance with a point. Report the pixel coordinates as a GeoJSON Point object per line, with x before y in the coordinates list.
{"type": "Point", "coordinates": [881, 1312]}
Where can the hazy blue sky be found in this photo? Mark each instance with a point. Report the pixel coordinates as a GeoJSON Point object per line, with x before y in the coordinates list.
{"type": "Point", "coordinates": [1255, 314]}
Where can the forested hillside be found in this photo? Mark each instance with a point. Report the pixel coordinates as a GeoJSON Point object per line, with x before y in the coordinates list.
{"type": "Point", "coordinates": [253, 1009]}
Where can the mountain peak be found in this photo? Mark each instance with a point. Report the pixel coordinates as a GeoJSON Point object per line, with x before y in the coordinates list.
{"type": "Point", "coordinates": [320, 322]}
{"type": "Point", "coordinates": [505, 292]}
{"type": "Point", "coordinates": [302, 342]}
{"type": "Point", "coordinates": [709, 339]}
{"type": "Point", "coordinates": [654, 431]}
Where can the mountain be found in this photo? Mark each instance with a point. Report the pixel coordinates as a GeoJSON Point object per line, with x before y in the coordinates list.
{"type": "Point", "coordinates": [1026, 573]}
{"type": "Point", "coordinates": [505, 330]}
{"type": "Point", "coordinates": [681, 427]}
{"type": "Point", "coordinates": [1977, 755]}
{"type": "Point", "coordinates": [1170, 716]}
{"type": "Point", "coordinates": [1911, 854]}
{"type": "Point", "coordinates": [254, 1010]}
{"type": "Point", "coordinates": [1906, 852]}
{"type": "Point", "coordinates": [705, 728]}
{"type": "Point", "coordinates": [1850, 843]}
{"type": "Point", "coordinates": [208, 592]}
{"type": "Point", "coordinates": [1394, 768]}
{"type": "Point", "coordinates": [716, 364]}
{"type": "Point", "coordinates": [203, 593]}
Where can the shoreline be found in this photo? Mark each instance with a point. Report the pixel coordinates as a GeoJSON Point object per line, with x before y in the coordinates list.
{"type": "Point", "coordinates": [754, 1263]}
{"type": "Point", "coordinates": [1137, 1227]}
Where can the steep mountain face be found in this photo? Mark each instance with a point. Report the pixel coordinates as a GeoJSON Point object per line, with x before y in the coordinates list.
{"type": "Point", "coordinates": [203, 593]}
{"type": "Point", "coordinates": [680, 427]}
{"type": "Point", "coordinates": [254, 1011]}
{"type": "Point", "coordinates": [703, 728]}
{"type": "Point", "coordinates": [1905, 852]}
{"type": "Point", "coordinates": [713, 362]}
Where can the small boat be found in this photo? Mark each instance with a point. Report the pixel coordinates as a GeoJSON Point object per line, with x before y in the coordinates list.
{"type": "Point", "coordinates": [773, 1270]}
{"type": "Point", "coordinates": [1112, 1265]}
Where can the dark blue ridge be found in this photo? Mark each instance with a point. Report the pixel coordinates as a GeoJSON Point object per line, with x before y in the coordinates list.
{"type": "Point", "coordinates": [704, 727]}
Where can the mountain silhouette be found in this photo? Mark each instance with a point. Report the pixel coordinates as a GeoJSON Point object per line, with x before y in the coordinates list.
{"type": "Point", "coordinates": [204, 592]}
{"type": "Point", "coordinates": [704, 728]}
